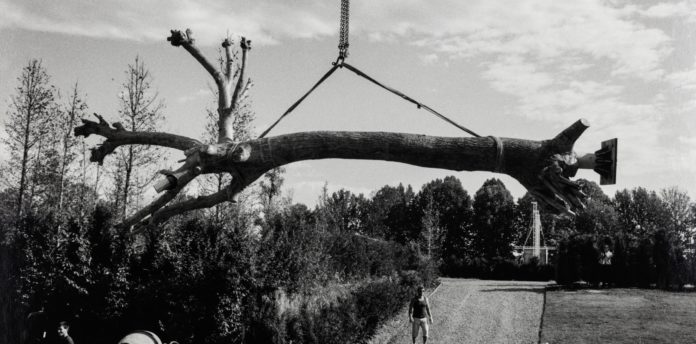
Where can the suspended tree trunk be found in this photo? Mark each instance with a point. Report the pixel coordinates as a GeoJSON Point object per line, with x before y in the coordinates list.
{"type": "Point", "coordinates": [543, 167]}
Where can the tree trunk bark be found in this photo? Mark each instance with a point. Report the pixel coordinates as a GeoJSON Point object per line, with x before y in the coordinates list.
{"type": "Point", "coordinates": [25, 161]}
{"type": "Point", "coordinates": [543, 167]}
{"type": "Point", "coordinates": [452, 153]}
{"type": "Point", "coordinates": [126, 183]}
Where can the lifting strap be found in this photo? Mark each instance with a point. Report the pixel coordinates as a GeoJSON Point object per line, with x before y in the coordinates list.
{"type": "Point", "coordinates": [340, 63]}
{"type": "Point", "coordinates": [409, 99]}
{"type": "Point", "coordinates": [294, 105]}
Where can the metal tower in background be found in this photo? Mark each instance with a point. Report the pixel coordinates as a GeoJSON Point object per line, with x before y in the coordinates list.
{"type": "Point", "coordinates": [525, 253]}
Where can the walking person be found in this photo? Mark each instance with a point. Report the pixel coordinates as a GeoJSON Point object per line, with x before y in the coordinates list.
{"type": "Point", "coordinates": [419, 315]}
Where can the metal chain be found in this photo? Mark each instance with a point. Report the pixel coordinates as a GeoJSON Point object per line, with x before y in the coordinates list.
{"type": "Point", "coordinates": [343, 33]}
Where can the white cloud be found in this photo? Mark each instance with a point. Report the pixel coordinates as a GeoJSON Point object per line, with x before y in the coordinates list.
{"type": "Point", "coordinates": [309, 192]}
{"type": "Point", "coordinates": [429, 59]}
{"type": "Point", "coordinates": [668, 10]}
{"type": "Point", "coordinates": [684, 80]}
{"type": "Point", "coordinates": [201, 93]}
{"type": "Point", "coordinates": [262, 21]}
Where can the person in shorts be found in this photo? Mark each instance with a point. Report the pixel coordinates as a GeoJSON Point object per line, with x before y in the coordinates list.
{"type": "Point", "coordinates": [419, 315]}
{"type": "Point", "coordinates": [605, 266]}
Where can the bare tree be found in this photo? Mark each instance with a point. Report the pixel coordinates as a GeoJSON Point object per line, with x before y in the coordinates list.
{"type": "Point", "coordinates": [431, 231]}
{"type": "Point", "coordinates": [140, 111]}
{"type": "Point", "coordinates": [75, 109]}
{"type": "Point", "coordinates": [242, 119]}
{"type": "Point", "coordinates": [543, 167]}
{"type": "Point", "coordinates": [28, 120]}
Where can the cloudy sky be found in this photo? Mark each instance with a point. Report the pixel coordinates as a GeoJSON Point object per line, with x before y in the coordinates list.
{"type": "Point", "coordinates": [525, 69]}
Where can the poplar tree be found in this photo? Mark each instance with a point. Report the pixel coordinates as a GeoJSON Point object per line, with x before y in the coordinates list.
{"type": "Point", "coordinates": [140, 110]}
{"type": "Point", "coordinates": [28, 120]}
{"type": "Point", "coordinates": [75, 109]}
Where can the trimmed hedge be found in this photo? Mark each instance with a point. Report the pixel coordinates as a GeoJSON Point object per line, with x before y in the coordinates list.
{"type": "Point", "coordinates": [500, 269]}
{"type": "Point", "coordinates": [657, 260]}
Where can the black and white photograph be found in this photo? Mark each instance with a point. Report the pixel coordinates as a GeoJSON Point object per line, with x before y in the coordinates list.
{"type": "Point", "coordinates": [347, 171]}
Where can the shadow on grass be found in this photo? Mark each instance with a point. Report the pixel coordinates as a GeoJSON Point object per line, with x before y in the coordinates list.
{"type": "Point", "coordinates": [518, 285]}
{"type": "Point", "coordinates": [514, 290]}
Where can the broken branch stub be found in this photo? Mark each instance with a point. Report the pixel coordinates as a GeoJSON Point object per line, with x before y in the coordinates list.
{"type": "Point", "coordinates": [117, 136]}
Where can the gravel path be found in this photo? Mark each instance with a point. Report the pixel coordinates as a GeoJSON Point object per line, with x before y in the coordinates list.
{"type": "Point", "coordinates": [477, 311]}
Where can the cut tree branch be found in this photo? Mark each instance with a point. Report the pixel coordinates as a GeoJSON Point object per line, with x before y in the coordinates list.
{"type": "Point", "coordinates": [185, 39]}
{"type": "Point", "coordinates": [245, 45]}
{"type": "Point", "coordinates": [228, 91]}
{"type": "Point", "coordinates": [117, 136]}
{"type": "Point", "coordinates": [228, 194]}
{"type": "Point", "coordinates": [229, 57]}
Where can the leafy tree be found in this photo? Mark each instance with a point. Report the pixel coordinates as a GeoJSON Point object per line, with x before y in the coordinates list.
{"type": "Point", "coordinates": [679, 211]}
{"type": "Point", "coordinates": [270, 185]}
{"type": "Point", "coordinates": [641, 213]}
{"type": "Point", "coordinates": [290, 252]}
{"type": "Point", "coordinates": [493, 219]}
{"type": "Point", "coordinates": [599, 216]}
{"type": "Point", "coordinates": [346, 212]}
{"type": "Point", "coordinates": [452, 203]}
{"type": "Point", "coordinates": [387, 210]}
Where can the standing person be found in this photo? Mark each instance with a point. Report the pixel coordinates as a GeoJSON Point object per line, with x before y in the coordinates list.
{"type": "Point", "coordinates": [605, 266]}
{"type": "Point", "coordinates": [417, 311]}
{"type": "Point", "coordinates": [63, 336]}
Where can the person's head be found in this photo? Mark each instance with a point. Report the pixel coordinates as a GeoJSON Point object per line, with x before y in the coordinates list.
{"type": "Point", "coordinates": [63, 328]}
{"type": "Point", "coordinates": [606, 247]}
{"type": "Point", "coordinates": [419, 290]}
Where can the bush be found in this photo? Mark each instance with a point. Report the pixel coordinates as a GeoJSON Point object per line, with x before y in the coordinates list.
{"type": "Point", "coordinates": [350, 318]}
{"type": "Point", "coordinates": [655, 260]}
{"type": "Point", "coordinates": [502, 269]}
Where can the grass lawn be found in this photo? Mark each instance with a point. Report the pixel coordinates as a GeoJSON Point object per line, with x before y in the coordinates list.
{"type": "Point", "coordinates": [620, 316]}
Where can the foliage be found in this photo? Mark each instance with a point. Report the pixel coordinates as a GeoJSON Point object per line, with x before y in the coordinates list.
{"type": "Point", "coordinates": [493, 216]}
{"type": "Point", "coordinates": [452, 204]}
{"type": "Point", "coordinates": [387, 212]}
{"type": "Point", "coordinates": [649, 236]}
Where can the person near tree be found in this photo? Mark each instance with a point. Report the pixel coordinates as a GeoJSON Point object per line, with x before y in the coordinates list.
{"type": "Point", "coordinates": [605, 266]}
{"type": "Point", "coordinates": [419, 315]}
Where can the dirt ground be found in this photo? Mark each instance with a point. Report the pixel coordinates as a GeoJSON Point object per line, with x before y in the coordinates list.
{"type": "Point", "coordinates": [476, 311]}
